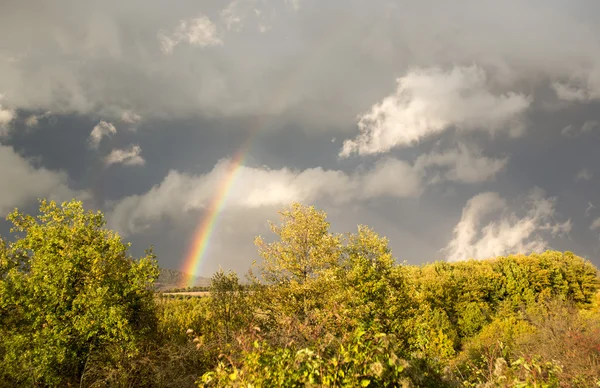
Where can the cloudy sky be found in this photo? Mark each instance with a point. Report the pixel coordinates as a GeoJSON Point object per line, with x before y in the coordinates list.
{"type": "Point", "coordinates": [457, 130]}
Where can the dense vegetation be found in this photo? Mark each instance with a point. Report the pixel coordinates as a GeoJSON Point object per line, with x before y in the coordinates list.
{"type": "Point", "coordinates": [171, 280]}
{"type": "Point", "coordinates": [320, 309]}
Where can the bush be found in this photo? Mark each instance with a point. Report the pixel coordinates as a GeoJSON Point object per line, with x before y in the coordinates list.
{"type": "Point", "coordinates": [360, 359]}
{"type": "Point", "coordinates": [68, 293]}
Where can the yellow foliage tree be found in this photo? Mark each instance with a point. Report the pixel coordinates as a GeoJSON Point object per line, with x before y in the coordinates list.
{"type": "Point", "coordinates": [298, 265]}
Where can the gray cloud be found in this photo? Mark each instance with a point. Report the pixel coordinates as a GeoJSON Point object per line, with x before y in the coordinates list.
{"type": "Point", "coordinates": [464, 164]}
{"type": "Point", "coordinates": [187, 84]}
{"type": "Point", "coordinates": [114, 42]}
{"type": "Point", "coordinates": [238, 14]}
{"type": "Point", "coordinates": [584, 175]}
{"type": "Point", "coordinates": [130, 117]}
{"type": "Point", "coordinates": [32, 121]}
{"type": "Point", "coordinates": [568, 131]}
{"type": "Point", "coordinates": [566, 92]}
{"type": "Point", "coordinates": [589, 208]}
{"type": "Point", "coordinates": [25, 183]}
{"type": "Point", "coordinates": [587, 127]}
{"type": "Point", "coordinates": [199, 31]}
{"type": "Point", "coordinates": [6, 116]}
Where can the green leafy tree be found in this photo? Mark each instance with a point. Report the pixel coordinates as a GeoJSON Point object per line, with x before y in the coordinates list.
{"type": "Point", "coordinates": [297, 265]}
{"type": "Point", "coordinates": [228, 304]}
{"type": "Point", "coordinates": [69, 291]}
{"type": "Point", "coordinates": [374, 287]}
{"type": "Point", "coordinates": [305, 246]}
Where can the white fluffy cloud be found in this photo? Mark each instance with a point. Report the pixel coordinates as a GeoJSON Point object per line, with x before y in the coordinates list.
{"type": "Point", "coordinates": [429, 101]}
{"type": "Point", "coordinates": [199, 31]}
{"type": "Point", "coordinates": [101, 130]}
{"type": "Point", "coordinates": [505, 233]}
{"type": "Point", "coordinates": [595, 224]}
{"type": "Point", "coordinates": [25, 183]}
{"type": "Point", "coordinates": [130, 156]}
{"type": "Point", "coordinates": [262, 187]}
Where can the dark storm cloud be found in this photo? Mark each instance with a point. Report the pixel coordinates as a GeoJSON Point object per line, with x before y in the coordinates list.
{"type": "Point", "coordinates": [489, 86]}
{"type": "Point", "coordinates": [106, 56]}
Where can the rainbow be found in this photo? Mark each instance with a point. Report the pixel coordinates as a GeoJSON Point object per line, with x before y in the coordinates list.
{"type": "Point", "coordinates": [195, 257]}
{"type": "Point", "coordinates": [207, 226]}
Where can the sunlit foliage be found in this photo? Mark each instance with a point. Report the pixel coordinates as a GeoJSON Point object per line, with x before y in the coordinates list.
{"type": "Point", "coordinates": [68, 290]}
{"type": "Point", "coordinates": [318, 309]}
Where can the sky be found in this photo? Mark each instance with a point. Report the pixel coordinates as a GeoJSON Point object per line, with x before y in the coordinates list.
{"type": "Point", "coordinates": [456, 130]}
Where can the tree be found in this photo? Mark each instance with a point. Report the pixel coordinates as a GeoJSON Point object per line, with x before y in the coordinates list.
{"type": "Point", "coordinates": [296, 265]}
{"type": "Point", "coordinates": [374, 287]}
{"type": "Point", "coordinates": [69, 291]}
{"type": "Point", "coordinates": [227, 303]}
{"type": "Point", "coordinates": [304, 249]}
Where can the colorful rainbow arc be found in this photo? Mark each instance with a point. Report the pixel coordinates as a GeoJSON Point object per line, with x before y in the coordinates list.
{"type": "Point", "coordinates": [194, 259]}
{"type": "Point", "coordinates": [207, 226]}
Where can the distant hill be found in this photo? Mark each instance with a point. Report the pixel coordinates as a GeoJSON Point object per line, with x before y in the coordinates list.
{"type": "Point", "coordinates": [170, 278]}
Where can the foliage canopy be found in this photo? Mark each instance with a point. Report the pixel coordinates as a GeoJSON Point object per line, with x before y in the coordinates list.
{"type": "Point", "coordinates": [322, 309]}
{"type": "Point", "coordinates": [69, 289]}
